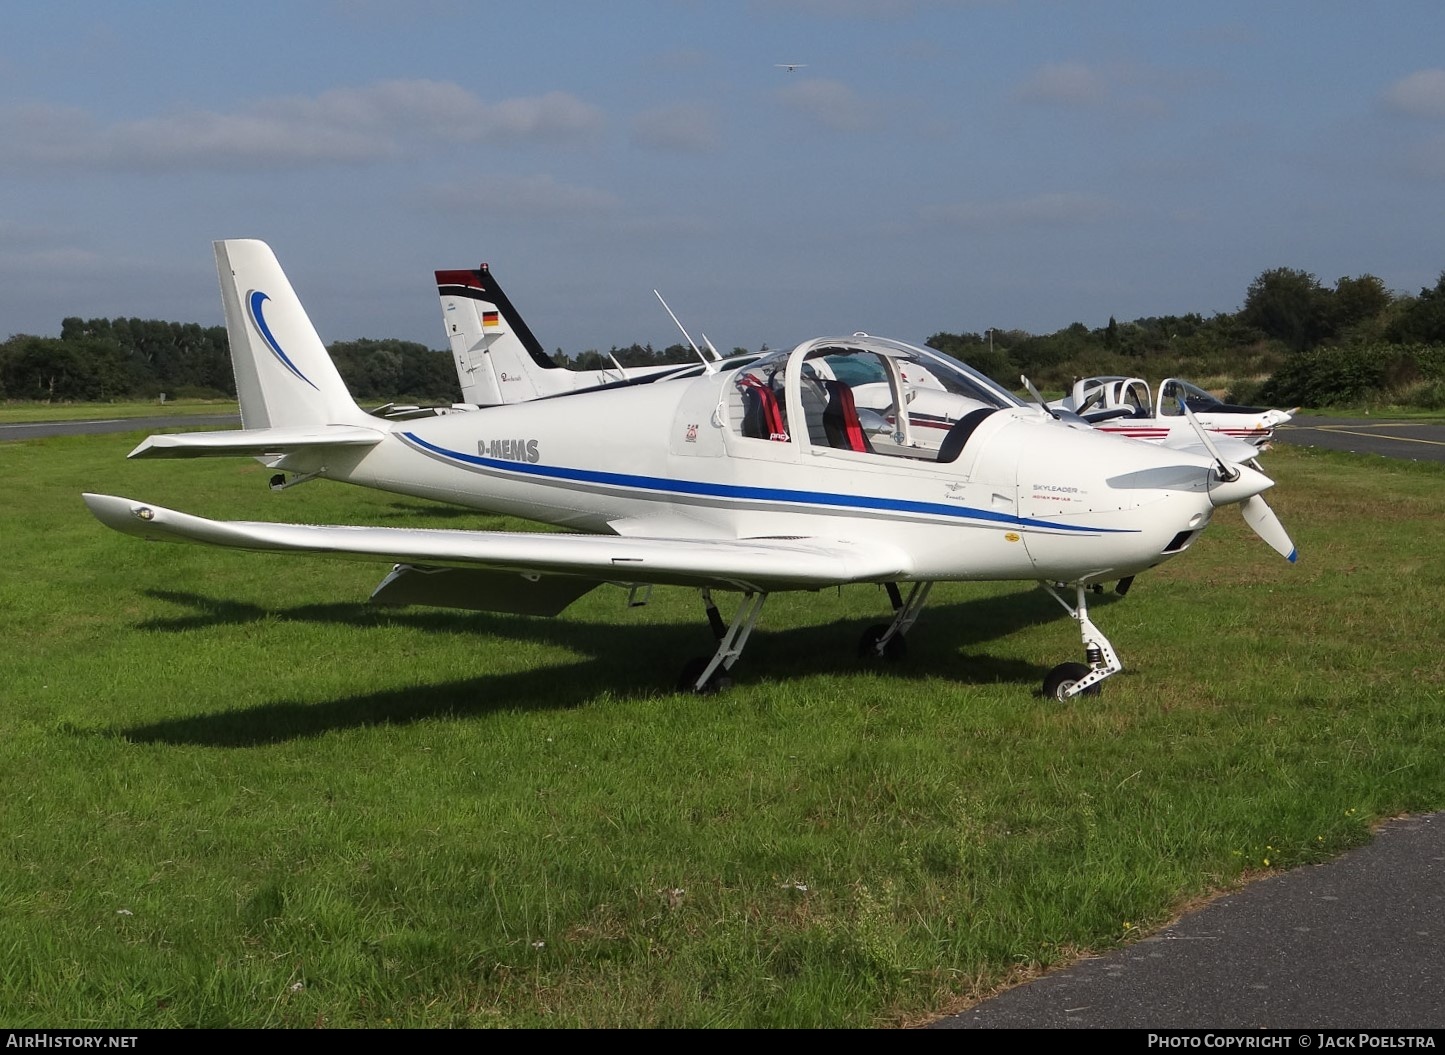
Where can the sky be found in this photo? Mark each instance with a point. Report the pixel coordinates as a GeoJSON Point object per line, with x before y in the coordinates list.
{"type": "Point", "coordinates": [930, 165]}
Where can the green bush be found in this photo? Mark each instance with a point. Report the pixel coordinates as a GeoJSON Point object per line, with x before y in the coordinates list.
{"type": "Point", "coordinates": [1358, 373]}
{"type": "Point", "coordinates": [1246, 392]}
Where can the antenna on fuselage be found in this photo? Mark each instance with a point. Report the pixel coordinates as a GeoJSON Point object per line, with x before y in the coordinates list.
{"type": "Point", "coordinates": [706, 363]}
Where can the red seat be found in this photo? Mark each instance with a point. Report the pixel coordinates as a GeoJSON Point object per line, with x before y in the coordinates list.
{"type": "Point", "coordinates": [762, 416]}
{"type": "Point", "coordinates": [840, 420]}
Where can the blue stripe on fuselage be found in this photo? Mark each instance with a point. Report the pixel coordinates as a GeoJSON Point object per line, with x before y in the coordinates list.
{"type": "Point", "coordinates": [765, 494]}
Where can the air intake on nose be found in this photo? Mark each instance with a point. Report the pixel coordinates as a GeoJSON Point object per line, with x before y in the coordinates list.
{"type": "Point", "coordinates": [1180, 541]}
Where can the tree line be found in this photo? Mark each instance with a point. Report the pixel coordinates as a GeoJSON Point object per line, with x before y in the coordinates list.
{"type": "Point", "coordinates": [143, 359]}
{"type": "Point", "coordinates": [1295, 341]}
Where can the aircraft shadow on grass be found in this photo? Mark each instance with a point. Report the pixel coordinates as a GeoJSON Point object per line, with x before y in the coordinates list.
{"type": "Point", "coordinates": [940, 650]}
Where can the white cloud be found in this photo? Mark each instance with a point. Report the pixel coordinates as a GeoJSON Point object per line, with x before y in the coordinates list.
{"type": "Point", "coordinates": [1120, 87]}
{"type": "Point", "coordinates": [1071, 83]}
{"type": "Point", "coordinates": [344, 125]}
{"type": "Point", "coordinates": [1040, 210]}
{"type": "Point", "coordinates": [830, 103]}
{"type": "Point", "coordinates": [687, 127]}
{"type": "Point", "coordinates": [1421, 94]}
{"type": "Point", "coordinates": [540, 195]}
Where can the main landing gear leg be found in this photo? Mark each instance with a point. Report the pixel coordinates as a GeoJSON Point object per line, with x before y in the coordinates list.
{"type": "Point", "coordinates": [1070, 679]}
{"type": "Point", "coordinates": [886, 640]}
{"type": "Point", "coordinates": [704, 675]}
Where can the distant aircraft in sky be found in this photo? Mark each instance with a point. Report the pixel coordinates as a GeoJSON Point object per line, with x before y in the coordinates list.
{"type": "Point", "coordinates": [791, 66]}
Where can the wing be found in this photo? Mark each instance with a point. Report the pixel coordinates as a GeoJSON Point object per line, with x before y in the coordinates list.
{"type": "Point", "coordinates": [738, 564]}
{"type": "Point", "coordinates": [1231, 449]}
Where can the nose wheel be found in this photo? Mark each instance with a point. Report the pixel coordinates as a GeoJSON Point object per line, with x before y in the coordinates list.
{"type": "Point", "coordinates": [1060, 680]}
{"type": "Point", "coordinates": [1068, 680]}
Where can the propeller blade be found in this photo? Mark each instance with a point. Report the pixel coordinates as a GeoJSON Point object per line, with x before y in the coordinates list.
{"type": "Point", "coordinates": [1259, 516]}
{"type": "Point", "coordinates": [1043, 404]}
{"type": "Point", "coordinates": [1226, 470]}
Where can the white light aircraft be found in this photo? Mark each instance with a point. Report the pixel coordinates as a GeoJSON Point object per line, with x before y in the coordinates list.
{"type": "Point", "coordinates": [752, 479]}
{"type": "Point", "coordinates": [1122, 406]}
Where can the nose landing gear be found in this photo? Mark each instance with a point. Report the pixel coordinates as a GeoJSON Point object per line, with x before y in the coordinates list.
{"type": "Point", "coordinates": [1068, 680]}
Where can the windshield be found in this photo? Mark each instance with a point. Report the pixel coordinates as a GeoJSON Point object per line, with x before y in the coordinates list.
{"type": "Point", "coordinates": [869, 395]}
{"type": "Point", "coordinates": [1175, 392]}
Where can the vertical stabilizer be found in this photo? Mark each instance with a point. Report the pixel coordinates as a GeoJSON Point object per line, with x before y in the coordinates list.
{"type": "Point", "coordinates": [284, 375]}
{"type": "Point", "coordinates": [498, 358]}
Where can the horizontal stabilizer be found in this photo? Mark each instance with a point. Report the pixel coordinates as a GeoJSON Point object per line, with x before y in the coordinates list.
{"type": "Point", "coordinates": [255, 443]}
{"type": "Point", "coordinates": [741, 564]}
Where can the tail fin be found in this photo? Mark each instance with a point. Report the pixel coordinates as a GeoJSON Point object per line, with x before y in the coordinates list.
{"type": "Point", "coordinates": [284, 375]}
{"type": "Point", "coordinates": [498, 358]}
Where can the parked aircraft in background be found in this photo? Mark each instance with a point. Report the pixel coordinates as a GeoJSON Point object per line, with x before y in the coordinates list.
{"type": "Point", "coordinates": [1123, 406]}
{"type": "Point", "coordinates": [750, 479]}
{"type": "Point", "coordinates": [498, 358]}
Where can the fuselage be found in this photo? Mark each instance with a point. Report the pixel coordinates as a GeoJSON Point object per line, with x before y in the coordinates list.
{"type": "Point", "coordinates": [1026, 497]}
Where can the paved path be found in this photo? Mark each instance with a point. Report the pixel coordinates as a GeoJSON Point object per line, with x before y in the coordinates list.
{"type": "Point", "coordinates": [1357, 943]}
{"type": "Point", "coordinates": [34, 430]}
{"type": "Point", "coordinates": [1393, 439]}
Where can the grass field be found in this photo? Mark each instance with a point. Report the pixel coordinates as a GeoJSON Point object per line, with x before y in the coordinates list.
{"type": "Point", "coordinates": [235, 795]}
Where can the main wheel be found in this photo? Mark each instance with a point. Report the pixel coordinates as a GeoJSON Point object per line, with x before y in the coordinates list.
{"type": "Point", "coordinates": [1064, 677]}
{"type": "Point", "coordinates": [692, 670]}
{"type": "Point", "coordinates": [895, 650]}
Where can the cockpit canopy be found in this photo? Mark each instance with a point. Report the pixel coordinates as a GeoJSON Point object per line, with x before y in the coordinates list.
{"type": "Point", "coordinates": [844, 393]}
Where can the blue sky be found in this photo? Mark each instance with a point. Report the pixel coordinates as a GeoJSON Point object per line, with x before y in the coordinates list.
{"type": "Point", "coordinates": [932, 166]}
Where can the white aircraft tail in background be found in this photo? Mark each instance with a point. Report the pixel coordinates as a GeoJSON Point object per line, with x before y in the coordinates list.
{"type": "Point", "coordinates": [498, 358]}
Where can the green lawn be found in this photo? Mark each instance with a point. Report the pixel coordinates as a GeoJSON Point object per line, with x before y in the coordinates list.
{"type": "Point", "coordinates": [237, 796]}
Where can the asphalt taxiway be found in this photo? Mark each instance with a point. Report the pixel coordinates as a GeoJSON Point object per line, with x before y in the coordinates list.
{"type": "Point", "coordinates": [34, 430]}
{"type": "Point", "coordinates": [1356, 943]}
{"type": "Point", "coordinates": [1390, 438]}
